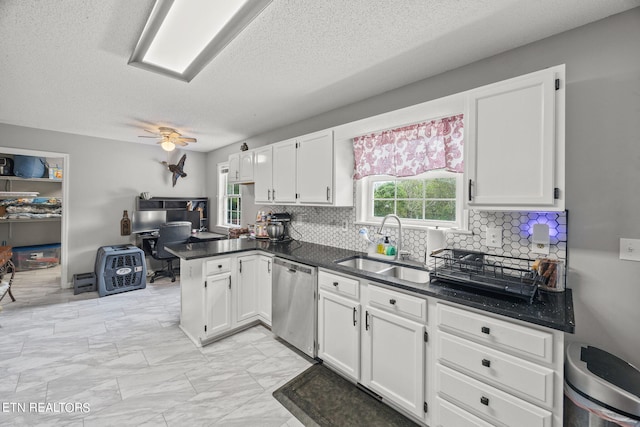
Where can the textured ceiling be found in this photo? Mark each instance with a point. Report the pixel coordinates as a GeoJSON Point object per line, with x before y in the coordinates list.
{"type": "Point", "coordinates": [63, 63]}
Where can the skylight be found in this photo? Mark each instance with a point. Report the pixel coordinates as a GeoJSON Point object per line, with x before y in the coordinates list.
{"type": "Point", "coordinates": [182, 37]}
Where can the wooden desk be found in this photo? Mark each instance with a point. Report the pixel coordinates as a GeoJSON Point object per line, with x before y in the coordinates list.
{"type": "Point", "coordinates": [205, 236]}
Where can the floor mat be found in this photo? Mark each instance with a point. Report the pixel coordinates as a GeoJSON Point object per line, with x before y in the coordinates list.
{"type": "Point", "coordinates": [320, 397]}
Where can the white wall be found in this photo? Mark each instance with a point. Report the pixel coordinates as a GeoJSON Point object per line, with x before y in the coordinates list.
{"type": "Point", "coordinates": [603, 160]}
{"type": "Point", "coordinates": [104, 177]}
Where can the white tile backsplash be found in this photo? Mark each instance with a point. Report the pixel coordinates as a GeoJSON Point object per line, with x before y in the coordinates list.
{"type": "Point", "coordinates": [324, 225]}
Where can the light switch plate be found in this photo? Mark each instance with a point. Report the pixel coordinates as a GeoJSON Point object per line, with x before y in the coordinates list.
{"type": "Point", "coordinates": [630, 249]}
{"type": "Point", "coordinates": [494, 237]}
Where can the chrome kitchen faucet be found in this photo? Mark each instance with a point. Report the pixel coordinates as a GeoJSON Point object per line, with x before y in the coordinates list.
{"type": "Point", "coordinates": [399, 246]}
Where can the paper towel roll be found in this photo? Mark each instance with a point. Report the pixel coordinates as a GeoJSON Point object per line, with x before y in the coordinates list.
{"type": "Point", "coordinates": [435, 240]}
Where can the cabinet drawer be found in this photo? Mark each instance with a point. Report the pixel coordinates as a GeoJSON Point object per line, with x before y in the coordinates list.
{"type": "Point", "coordinates": [396, 302]}
{"type": "Point", "coordinates": [492, 403]}
{"type": "Point", "coordinates": [339, 284]}
{"type": "Point", "coordinates": [502, 369]}
{"type": "Point", "coordinates": [219, 265]}
{"type": "Point", "coordinates": [497, 333]}
{"type": "Point", "coordinates": [449, 415]}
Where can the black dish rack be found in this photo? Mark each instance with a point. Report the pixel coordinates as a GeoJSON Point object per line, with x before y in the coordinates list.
{"type": "Point", "coordinates": [493, 273]}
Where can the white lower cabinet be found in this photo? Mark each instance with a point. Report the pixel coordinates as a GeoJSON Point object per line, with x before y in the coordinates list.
{"type": "Point", "coordinates": [219, 295]}
{"type": "Point", "coordinates": [498, 371]}
{"type": "Point", "coordinates": [265, 266]}
{"type": "Point", "coordinates": [247, 287]}
{"type": "Point", "coordinates": [217, 305]}
{"type": "Point", "coordinates": [449, 414]}
{"type": "Point", "coordinates": [490, 402]}
{"type": "Point", "coordinates": [339, 333]}
{"type": "Point", "coordinates": [393, 359]}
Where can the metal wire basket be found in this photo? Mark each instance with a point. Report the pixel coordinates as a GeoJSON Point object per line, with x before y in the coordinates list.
{"type": "Point", "coordinates": [504, 275]}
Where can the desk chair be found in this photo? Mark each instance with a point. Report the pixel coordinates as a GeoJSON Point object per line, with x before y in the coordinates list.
{"type": "Point", "coordinates": [169, 234]}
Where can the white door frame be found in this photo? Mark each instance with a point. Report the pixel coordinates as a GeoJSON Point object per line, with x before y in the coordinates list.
{"type": "Point", "coordinates": [64, 264]}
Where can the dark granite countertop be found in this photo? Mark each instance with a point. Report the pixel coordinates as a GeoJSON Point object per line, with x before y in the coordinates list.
{"type": "Point", "coordinates": [552, 310]}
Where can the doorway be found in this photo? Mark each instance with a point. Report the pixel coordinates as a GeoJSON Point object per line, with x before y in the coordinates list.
{"type": "Point", "coordinates": [29, 229]}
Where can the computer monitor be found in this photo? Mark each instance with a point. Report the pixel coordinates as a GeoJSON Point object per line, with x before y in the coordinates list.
{"type": "Point", "coordinates": [192, 216]}
{"type": "Point", "coordinates": [147, 221]}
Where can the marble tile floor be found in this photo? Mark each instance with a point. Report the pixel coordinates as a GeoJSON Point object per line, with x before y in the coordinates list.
{"type": "Point", "coordinates": [121, 360]}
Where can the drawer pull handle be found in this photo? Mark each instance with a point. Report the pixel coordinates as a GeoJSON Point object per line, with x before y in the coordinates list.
{"type": "Point", "coordinates": [219, 265]}
{"type": "Point", "coordinates": [486, 330]}
{"type": "Point", "coordinates": [335, 284]}
{"type": "Point", "coordinates": [392, 301]}
{"type": "Point", "coordinates": [484, 401]}
{"type": "Point", "coordinates": [486, 362]}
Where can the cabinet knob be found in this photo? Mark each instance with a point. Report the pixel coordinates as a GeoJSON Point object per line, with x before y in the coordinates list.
{"type": "Point", "coordinates": [219, 265]}
{"type": "Point", "coordinates": [335, 284]}
{"type": "Point", "coordinates": [486, 363]}
{"type": "Point", "coordinates": [484, 401]}
{"type": "Point", "coordinates": [392, 301]}
{"type": "Point", "coordinates": [485, 330]}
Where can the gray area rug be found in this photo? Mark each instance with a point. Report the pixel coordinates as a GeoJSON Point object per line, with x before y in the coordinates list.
{"type": "Point", "coordinates": [320, 397]}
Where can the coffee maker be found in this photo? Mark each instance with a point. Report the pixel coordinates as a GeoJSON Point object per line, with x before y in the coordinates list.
{"type": "Point", "coordinates": [277, 229]}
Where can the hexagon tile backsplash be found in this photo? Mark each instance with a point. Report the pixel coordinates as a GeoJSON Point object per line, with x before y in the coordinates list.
{"type": "Point", "coordinates": [337, 227]}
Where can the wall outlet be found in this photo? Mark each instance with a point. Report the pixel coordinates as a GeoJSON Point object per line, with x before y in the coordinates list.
{"type": "Point", "coordinates": [540, 239]}
{"type": "Point", "coordinates": [494, 237]}
{"type": "Point", "coordinates": [345, 225]}
{"type": "Point", "coordinates": [630, 249]}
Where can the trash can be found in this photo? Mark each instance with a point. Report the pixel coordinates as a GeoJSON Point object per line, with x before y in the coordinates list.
{"type": "Point", "coordinates": [600, 389]}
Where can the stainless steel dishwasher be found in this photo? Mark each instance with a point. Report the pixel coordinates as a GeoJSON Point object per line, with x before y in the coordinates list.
{"type": "Point", "coordinates": [294, 306]}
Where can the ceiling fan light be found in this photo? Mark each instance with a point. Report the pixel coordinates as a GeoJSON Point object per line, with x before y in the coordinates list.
{"type": "Point", "coordinates": [168, 146]}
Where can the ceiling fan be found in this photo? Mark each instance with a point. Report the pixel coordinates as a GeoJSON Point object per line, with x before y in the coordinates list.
{"type": "Point", "coordinates": [169, 138]}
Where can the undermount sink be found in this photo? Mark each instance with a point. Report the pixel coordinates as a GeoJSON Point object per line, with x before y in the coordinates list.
{"type": "Point", "coordinates": [409, 274]}
{"type": "Point", "coordinates": [366, 264]}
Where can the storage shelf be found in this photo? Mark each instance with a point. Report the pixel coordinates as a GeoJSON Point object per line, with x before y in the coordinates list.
{"type": "Point", "coordinates": [25, 220]}
{"type": "Point", "coordinates": [18, 178]}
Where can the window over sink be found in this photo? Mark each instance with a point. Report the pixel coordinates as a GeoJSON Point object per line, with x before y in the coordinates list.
{"type": "Point", "coordinates": [431, 199]}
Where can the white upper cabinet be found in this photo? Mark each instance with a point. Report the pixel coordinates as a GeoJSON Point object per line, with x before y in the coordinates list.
{"type": "Point", "coordinates": [312, 170]}
{"type": "Point", "coordinates": [315, 168]}
{"type": "Point", "coordinates": [241, 167]}
{"type": "Point", "coordinates": [234, 168]}
{"type": "Point", "coordinates": [263, 169]}
{"type": "Point", "coordinates": [514, 148]}
{"type": "Point", "coordinates": [284, 172]}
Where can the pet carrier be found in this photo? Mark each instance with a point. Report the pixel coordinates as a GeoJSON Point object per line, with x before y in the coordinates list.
{"type": "Point", "coordinates": [119, 269]}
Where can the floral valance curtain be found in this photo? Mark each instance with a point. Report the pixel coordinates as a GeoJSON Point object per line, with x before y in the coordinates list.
{"type": "Point", "coordinates": [411, 150]}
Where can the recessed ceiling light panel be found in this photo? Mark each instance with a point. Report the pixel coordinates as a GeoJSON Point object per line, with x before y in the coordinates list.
{"type": "Point", "coordinates": [182, 37]}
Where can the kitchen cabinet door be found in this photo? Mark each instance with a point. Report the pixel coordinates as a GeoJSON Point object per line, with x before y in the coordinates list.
{"type": "Point", "coordinates": [393, 353]}
{"type": "Point", "coordinates": [217, 305]}
{"type": "Point", "coordinates": [284, 172]}
{"type": "Point", "coordinates": [315, 168]}
{"type": "Point", "coordinates": [246, 166]}
{"type": "Point", "coordinates": [339, 333]}
{"type": "Point", "coordinates": [513, 140]}
{"type": "Point", "coordinates": [247, 288]}
{"type": "Point", "coordinates": [263, 168]}
{"type": "Point", "coordinates": [234, 168]}
{"type": "Point", "coordinates": [265, 265]}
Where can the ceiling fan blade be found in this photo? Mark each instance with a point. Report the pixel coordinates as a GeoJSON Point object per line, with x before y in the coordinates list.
{"type": "Point", "coordinates": [185, 139]}
{"type": "Point", "coordinates": [147, 130]}
{"type": "Point", "coordinates": [180, 143]}
{"type": "Point", "coordinates": [146, 136]}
